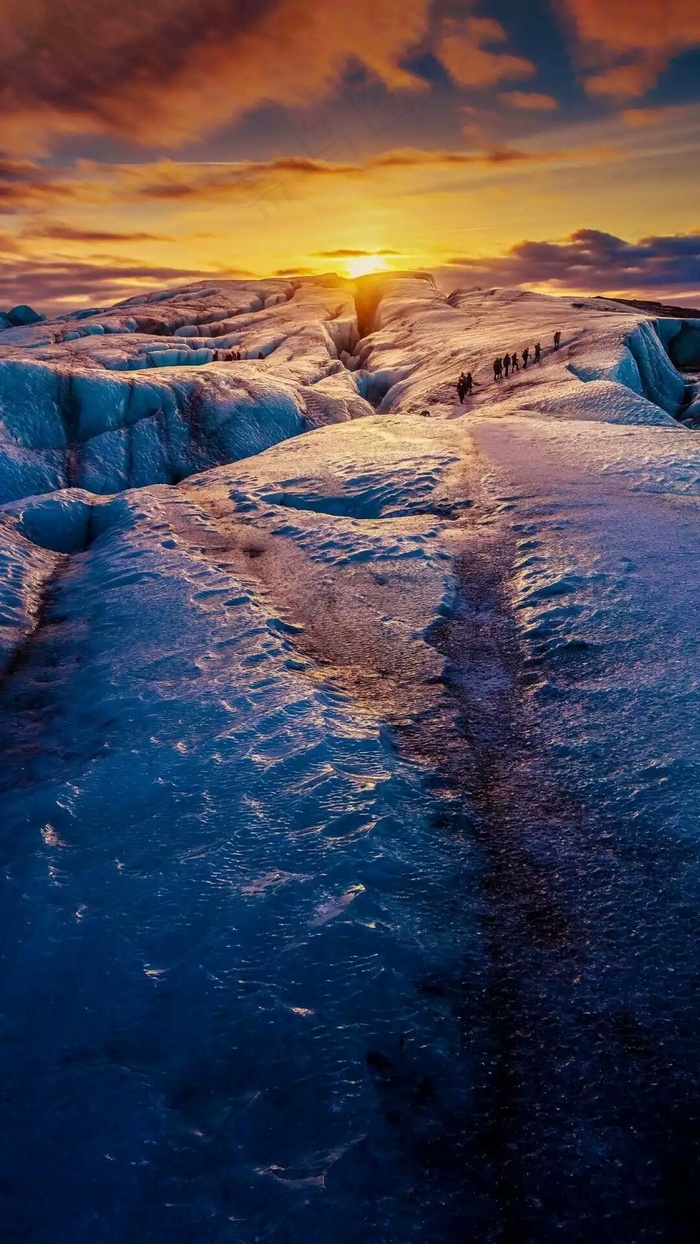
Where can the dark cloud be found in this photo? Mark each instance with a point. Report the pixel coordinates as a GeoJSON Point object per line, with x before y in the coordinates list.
{"type": "Point", "coordinates": [45, 285]}
{"type": "Point", "coordinates": [66, 233]}
{"type": "Point", "coordinates": [169, 70]}
{"type": "Point", "coordinates": [24, 184]}
{"type": "Point", "coordinates": [348, 252]}
{"type": "Point", "coordinates": [591, 262]}
{"type": "Point", "coordinates": [16, 170]}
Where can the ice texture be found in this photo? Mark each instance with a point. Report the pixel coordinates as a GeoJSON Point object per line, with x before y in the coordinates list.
{"type": "Point", "coordinates": [152, 390]}
{"type": "Point", "coordinates": [350, 860]}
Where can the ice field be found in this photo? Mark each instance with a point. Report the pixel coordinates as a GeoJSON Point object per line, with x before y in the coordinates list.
{"type": "Point", "coordinates": [350, 850]}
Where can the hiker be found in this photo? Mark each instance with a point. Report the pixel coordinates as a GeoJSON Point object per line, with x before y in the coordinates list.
{"type": "Point", "coordinates": [526, 355]}
{"type": "Point", "coordinates": [506, 364]}
{"type": "Point", "coordinates": [538, 351]}
{"type": "Point", "coordinates": [469, 380]}
{"type": "Point", "coordinates": [514, 362]}
{"type": "Point", "coordinates": [461, 387]}
{"type": "Point", "coordinates": [557, 340]}
{"type": "Point", "coordinates": [497, 369]}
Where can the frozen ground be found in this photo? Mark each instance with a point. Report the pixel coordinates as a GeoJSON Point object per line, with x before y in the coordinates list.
{"type": "Point", "coordinates": [350, 851]}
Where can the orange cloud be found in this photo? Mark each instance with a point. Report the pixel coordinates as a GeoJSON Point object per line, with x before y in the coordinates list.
{"type": "Point", "coordinates": [30, 190]}
{"type": "Point", "coordinates": [462, 52]}
{"type": "Point", "coordinates": [170, 70]}
{"type": "Point", "coordinates": [626, 44]}
{"type": "Point", "coordinates": [349, 252]}
{"type": "Point", "coordinates": [530, 101]}
{"type": "Point", "coordinates": [649, 118]}
{"type": "Point", "coordinates": [414, 157]}
{"type": "Point", "coordinates": [626, 81]}
{"type": "Point", "coordinates": [171, 180]}
{"type": "Point", "coordinates": [67, 233]}
{"type": "Point", "coordinates": [24, 184]}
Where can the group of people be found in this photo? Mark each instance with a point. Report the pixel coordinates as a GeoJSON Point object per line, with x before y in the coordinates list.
{"type": "Point", "coordinates": [509, 364]}
{"type": "Point", "coordinates": [233, 356]}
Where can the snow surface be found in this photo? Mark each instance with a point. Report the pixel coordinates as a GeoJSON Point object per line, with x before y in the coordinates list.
{"type": "Point", "coordinates": [350, 842]}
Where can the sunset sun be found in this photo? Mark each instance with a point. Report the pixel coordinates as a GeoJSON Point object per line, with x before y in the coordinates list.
{"type": "Point", "coordinates": [363, 265]}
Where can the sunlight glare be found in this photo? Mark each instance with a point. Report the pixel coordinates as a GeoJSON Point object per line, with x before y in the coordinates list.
{"type": "Point", "coordinates": [362, 265]}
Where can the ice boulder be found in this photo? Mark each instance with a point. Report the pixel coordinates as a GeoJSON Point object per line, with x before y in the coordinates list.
{"type": "Point", "coordinates": [22, 316]}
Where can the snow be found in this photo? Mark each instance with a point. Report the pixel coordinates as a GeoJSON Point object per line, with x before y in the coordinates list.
{"type": "Point", "coordinates": [350, 851]}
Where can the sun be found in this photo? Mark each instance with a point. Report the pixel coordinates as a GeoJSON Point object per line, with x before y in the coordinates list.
{"type": "Point", "coordinates": [362, 265]}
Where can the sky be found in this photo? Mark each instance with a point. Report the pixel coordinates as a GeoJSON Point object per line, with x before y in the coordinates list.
{"type": "Point", "coordinates": [552, 144]}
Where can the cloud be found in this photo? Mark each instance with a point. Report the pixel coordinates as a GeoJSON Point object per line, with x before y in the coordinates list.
{"type": "Point", "coordinates": [33, 191]}
{"type": "Point", "coordinates": [347, 252]}
{"type": "Point", "coordinates": [650, 118]}
{"type": "Point", "coordinates": [168, 71]}
{"type": "Point", "coordinates": [170, 180]}
{"type": "Point", "coordinates": [67, 233]}
{"type": "Point", "coordinates": [461, 49]}
{"type": "Point", "coordinates": [58, 286]}
{"type": "Point", "coordinates": [626, 81]}
{"type": "Point", "coordinates": [625, 45]}
{"type": "Point", "coordinates": [530, 101]}
{"type": "Point", "coordinates": [587, 262]}
{"type": "Point", "coordinates": [412, 157]}
{"type": "Point", "coordinates": [9, 244]}
{"type": "Point", "coordinates": [590, 261]}
{"type": "Point", "coordinates": [25, 184]}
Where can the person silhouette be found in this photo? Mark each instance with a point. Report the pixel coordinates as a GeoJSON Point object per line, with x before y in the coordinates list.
{"type": "Point", "coordinates": [557, 340]}
{"type": "Point", "coordinates": [538, 351]}
{"type": "Point", "coordinates": [469, 381]}
{"type": "Point", "coordinates": [497, 369]}
{"type": "Point", "coordinates": [461, 387]}
{"type": "Point", "coordinates": [526, 355]}
{"type": "Point", "coordinates": [514, 362]}
{"type": "Point", "coordinates": [506, 364]}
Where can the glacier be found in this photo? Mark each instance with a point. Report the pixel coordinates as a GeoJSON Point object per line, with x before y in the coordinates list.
{"type": "Point", "coordinates": [350, 854]}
